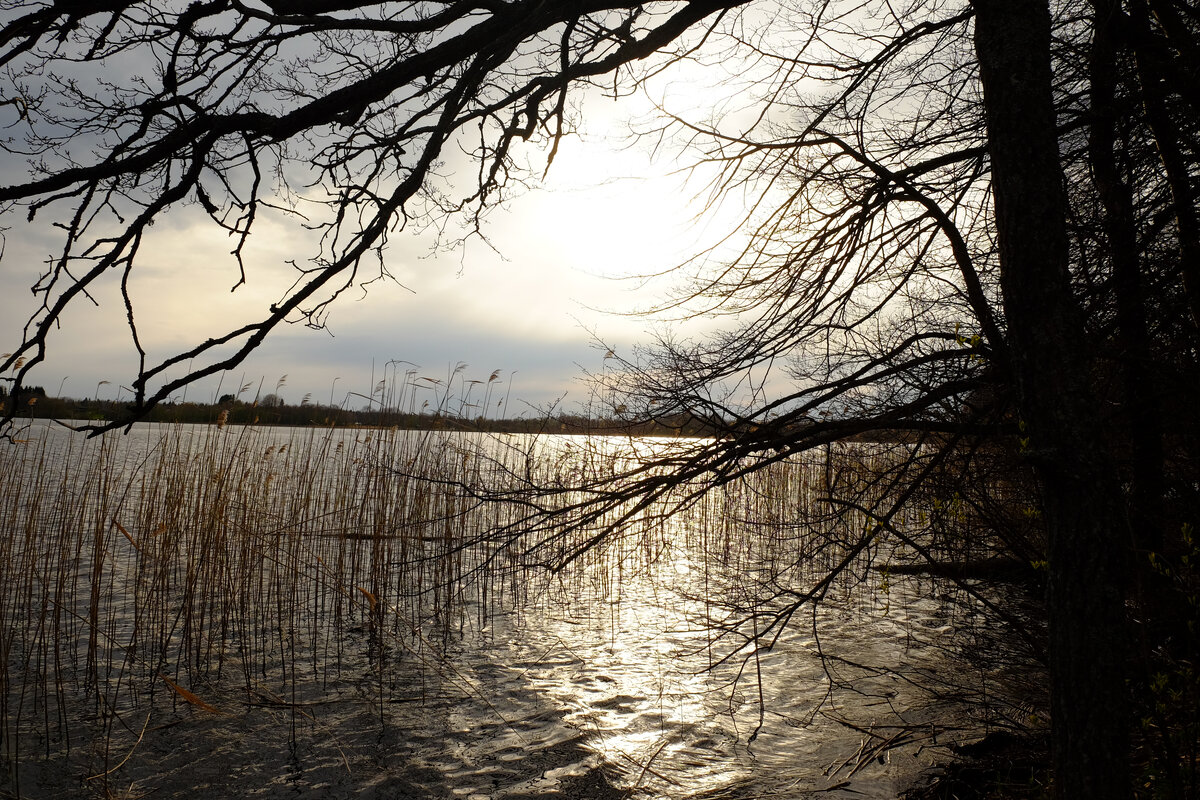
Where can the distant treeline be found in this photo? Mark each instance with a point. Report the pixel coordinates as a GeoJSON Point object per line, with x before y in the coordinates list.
{"type": "Point", "coordinates": [34, 403]}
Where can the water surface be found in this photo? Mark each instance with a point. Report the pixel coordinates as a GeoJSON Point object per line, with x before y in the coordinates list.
{"type": "Point", "coordinates": [354, 642]}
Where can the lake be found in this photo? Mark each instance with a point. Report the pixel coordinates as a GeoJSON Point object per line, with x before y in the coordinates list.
{"type": "Point", "coordinates": [194, 611]}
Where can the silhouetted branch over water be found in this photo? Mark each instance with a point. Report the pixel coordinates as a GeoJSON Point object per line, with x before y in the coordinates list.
{"type": "Point", "coordinates": [952, 317]}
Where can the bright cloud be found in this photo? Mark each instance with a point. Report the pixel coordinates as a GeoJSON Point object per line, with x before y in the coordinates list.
{"type": "Point", "coordinates": [530, 305]}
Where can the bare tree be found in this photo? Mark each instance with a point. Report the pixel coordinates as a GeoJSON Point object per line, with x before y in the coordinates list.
{"type": "Point", "coordinates": [968, 237]}
{"type": "Point", "coordinates": [338, 114]}
{"type": "Point", "coordinates": [971, 236]}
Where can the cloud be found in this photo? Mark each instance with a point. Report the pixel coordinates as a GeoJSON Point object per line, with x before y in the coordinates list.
{"type": "Point", "coordinates": [525, 300]}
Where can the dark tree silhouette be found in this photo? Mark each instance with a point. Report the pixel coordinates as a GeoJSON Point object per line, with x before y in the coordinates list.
{"type": "Point", "coordinates": [968, 237]}
{"type": "Point", "coordinates": [230, 106]}
{"type": "Point", "coordinates": [971, 234]}
{"type": "Point", "coordinates": [1052, 368]}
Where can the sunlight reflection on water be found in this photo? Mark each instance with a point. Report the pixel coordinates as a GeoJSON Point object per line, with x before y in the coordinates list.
{"type": "Point", "coordinates": [626, 662]}
{"type": "Point", "coordinates": [638, 675]}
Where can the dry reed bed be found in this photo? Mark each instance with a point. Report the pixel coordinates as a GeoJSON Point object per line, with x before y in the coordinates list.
{"type": "Point", "coordinates": [218, 566]}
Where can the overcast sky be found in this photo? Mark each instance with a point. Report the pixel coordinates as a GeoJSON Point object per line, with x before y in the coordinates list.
{"type": "Point", "coordinates": [531, 301]}
{"type": "Point", "coordinates": [529, 307]}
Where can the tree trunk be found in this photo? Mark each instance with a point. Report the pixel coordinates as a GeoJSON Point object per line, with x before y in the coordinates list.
{"type": "Point", "coordinates": [1142, 416]}
{"type": "Point", "coordinates": [1051, 364]}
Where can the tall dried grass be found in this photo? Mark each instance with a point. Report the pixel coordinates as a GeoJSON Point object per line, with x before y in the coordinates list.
{"type": "Point", "coordinates": [195, 556]}
{"type": "Point", "coordinates": [222, 567]}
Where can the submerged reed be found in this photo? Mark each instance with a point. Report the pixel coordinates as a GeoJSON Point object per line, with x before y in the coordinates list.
{"type": "Point", "coordinates": [223, 568]}
{"type": "Point", "coordinates": [132, 569]}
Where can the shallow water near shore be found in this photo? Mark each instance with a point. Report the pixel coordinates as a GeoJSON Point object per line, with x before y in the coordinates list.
{"type": "Point", "coordinates": [621, 674]}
